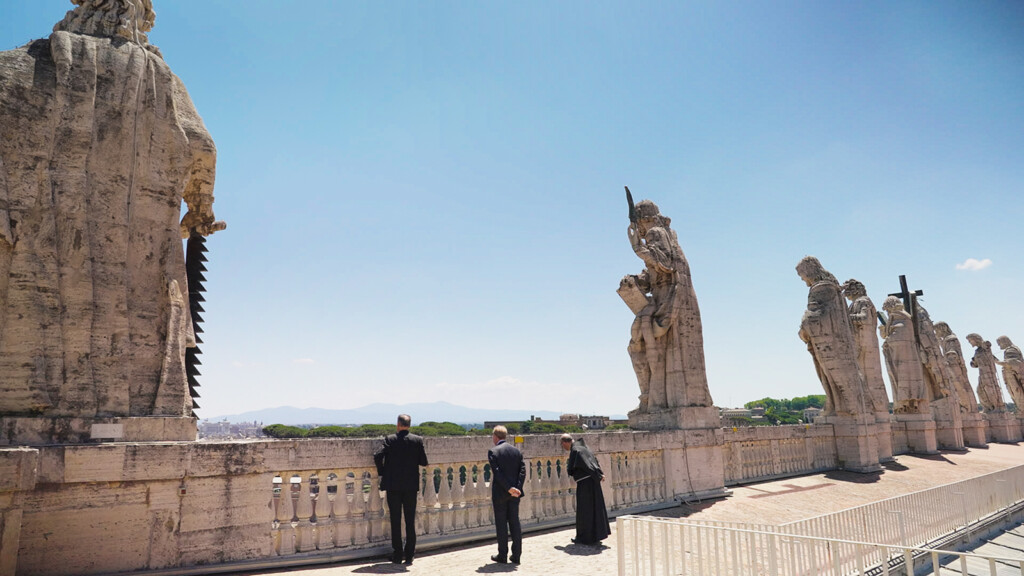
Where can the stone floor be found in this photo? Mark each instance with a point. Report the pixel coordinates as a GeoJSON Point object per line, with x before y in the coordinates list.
{"type": "Point", "coordinates": [552, 553]}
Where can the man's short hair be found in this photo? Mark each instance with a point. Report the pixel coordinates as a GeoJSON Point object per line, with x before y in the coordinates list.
{"type": "Point", "coordinates": [566, 438]}
{"type": "Point", "coordinates": [500, 432]}
{"type": "Point", "coordinates": [404, 420]}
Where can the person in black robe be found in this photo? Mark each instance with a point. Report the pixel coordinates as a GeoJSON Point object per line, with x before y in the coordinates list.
{"type": "Point", "coordinates": [591, 515]}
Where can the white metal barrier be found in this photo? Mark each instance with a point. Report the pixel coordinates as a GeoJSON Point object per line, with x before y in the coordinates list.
{"type": "Point", "coordinates": [663, 547]}
{"type": "Point", "coordinates": [847, 542]}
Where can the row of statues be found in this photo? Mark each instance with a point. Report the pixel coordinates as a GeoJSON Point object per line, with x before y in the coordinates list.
{"type": "Point", "coordinates": [924, 360]}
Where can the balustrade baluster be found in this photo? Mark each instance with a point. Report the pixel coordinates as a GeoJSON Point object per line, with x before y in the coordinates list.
{"type": "Point", "coordinates": [378, 526]}
{"type": "Point", "coordinates": [342, 514]}
{"type": "Point", "coordinates": [357, 515]}
{"type": "Point", "coordinates": [444, 498]}
{"type": "Point", "coordinates": [282, 517]}
{"type": "Point", "coordinates": [431, 501]}
{"type": "Point", "coordinates": [459, 510]}
{"type": "Point", "coordinates": [303, 511]}
{"type": "Point", "coordinates": [567, 502]}
{"type": "Point", "coordinates": [323, 528]}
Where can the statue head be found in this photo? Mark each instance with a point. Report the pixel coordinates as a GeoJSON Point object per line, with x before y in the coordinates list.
{"type": "Point", "coordinates": [648, 216]}
{"type": "Point", "coordinates": [812, 272]}
{"type": "Point", "coordinates": [1004, 342]}
{"type": "Point", "coordinates": [128, 19]}
{"type": "Point", "coordinates": [853, 289]}
{"type": "Point", "coordinates": [893, 304]}
{"type": "Point", "coordinates": [975, 339]}
{"type": "Point", "coordinates": [942, 330]}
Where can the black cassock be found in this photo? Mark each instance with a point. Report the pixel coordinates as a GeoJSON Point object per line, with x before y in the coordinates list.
{"type": "Point", "coordinates": [591, 515]}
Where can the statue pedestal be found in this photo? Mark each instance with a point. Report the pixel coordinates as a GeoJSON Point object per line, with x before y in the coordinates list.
{"type": "Point", "coordinates": [920, 430]}
{"type": "Point", "coordinates": [975, 430]}
{"type": "Point", "coordinates": [856, 441]}
{"type": "Point", "coordinates": [27, 431]}
{"type": "Point", "coordinates": [1002, 427]}
{"type": "Point", "coordinates": [948, 424]}
{"type": "Point", "coordinates": [883, 434]}
{"type": "Point", "coordinates": [677, 418]}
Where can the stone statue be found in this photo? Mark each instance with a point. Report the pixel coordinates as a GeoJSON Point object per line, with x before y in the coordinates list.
{"type": "Point", "coordinates": [99, 145]}
{"type": "Point", "coordinates": [864, 317]}
{"type": "Point", "coordinates": [958, 367]}
{"type": "Point", "coordinates": [1013, 370]}
{"type": "Point", "coordinates": [828, 333]}
{"type": "Point", "coordinates": [936, 371]}
{"type": "Point", "coordinates": [667, 342]}
{"type": "Point", "coordinates": [988, 383]}
{"type": "Point", "coordinates": [902, 360]}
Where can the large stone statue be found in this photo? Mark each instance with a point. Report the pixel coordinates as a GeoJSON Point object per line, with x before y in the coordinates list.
{"type": "Point", "coordinates": [864, 317]}
{"type": "Point", "coordinates": [954, 354]}
{"type": "Point", "coordinates": [902, 360]}
{"type": "Point", "coordinates": [828, 333]}
{"type": "Point", "coordinates": [1013, 370]}
{"type": "Point", "coordinates": [989, 393]}
{"type": "Point", "coordinates": [99, 146]}
{"type": "Point", "coordinates": [667, 342]}
{"type": "Point", "coordinates": [945, 399]}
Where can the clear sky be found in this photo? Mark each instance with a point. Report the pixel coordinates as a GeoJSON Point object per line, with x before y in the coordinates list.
{"type": "Point", "coordinates": [424, 199]}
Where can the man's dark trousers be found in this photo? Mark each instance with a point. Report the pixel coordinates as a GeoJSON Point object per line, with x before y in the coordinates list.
{"type": "Point", "coordinates": [399, 502]}
{"type": "Point", "coordinates": [506, 519]}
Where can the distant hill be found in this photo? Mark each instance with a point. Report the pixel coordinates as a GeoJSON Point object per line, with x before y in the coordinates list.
{"type": "Point", "coordinates": [383, 414]}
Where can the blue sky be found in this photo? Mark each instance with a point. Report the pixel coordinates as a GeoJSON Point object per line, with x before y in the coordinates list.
{"type": "Point", "coordinates": [424, 200]}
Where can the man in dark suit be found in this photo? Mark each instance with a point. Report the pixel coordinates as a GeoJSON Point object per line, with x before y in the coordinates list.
{"type": "Point", "coordinates": [398, 463]}
{"type": "Point", "coordinates": [508, 472]}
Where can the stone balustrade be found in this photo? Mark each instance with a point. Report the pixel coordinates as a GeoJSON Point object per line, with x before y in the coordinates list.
{"type": "Point", "coordinates": [758, 453]}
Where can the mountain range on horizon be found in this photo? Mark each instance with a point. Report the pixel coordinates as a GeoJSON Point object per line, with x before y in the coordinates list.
{"type": "Point", "coordinates": [381, 413]}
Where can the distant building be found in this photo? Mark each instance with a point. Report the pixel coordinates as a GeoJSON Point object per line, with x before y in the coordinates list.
{"type": "Point", "coordinates": [810, 413]}
{"type": "Point", "coordinates": [736, 417]}
{"type": "Point", "coordinates": [225, 430]}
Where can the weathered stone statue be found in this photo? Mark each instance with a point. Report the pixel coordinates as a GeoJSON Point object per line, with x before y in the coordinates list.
{"type": "Point", "coordinates": [936, 370]}
{"type": "Point", "coordinates": [99, 146]}
{"type": "Point", "coordinates": [667, 342]}
{"type": "Point", "coordinates": [988, 383]}
{"type": "Point", "coordinates": [945, 400]}
{"type": "Point", "coordinates": [828, 333]}
{"type": "Point", "coordinates": [902, 360]}
{"type": "Point", "coordinates": [954, 354]}
{"type": "Point", "coordinates": [1013, 370]}
{"type": "Point", "coordinates": [864, 317]}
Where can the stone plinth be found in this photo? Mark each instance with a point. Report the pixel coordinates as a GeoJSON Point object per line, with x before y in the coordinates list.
{"type": "Point", "coordinates": [975, 430]}
{"type": "Point", "coordinates": [920, 431]}
{"type": "Point", "coordinates": [24, 431]}
{"type": "Point", "coordinates": [856, 441]}
{"type": "Point", "coordinates": [948, 424]}
{"type": "Point", "coordinates": [1003, 427]}
{"type": "Point", "coordinates": [883, 434]}
{"type": "Point", "coordinates": [679, 418]}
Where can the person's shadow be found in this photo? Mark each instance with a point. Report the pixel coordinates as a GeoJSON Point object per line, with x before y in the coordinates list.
{"type": "Point", "coordinates": [382, 568]}
{"type": "Point", "coordinates": [496, 568]}
{"type": "Point", "coordinates": [582, 549]}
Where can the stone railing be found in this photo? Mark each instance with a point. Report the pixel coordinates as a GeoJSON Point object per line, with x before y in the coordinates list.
{"type": "Point", "coordinates": [185, 507]}
{"type": "Point", "coordinates": [342, 508]}
{"type": "Point", "coordinates": [758, 453]}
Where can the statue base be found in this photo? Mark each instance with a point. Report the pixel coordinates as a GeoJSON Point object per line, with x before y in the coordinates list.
{"type": "Point", "coordinates": [920, 430]}
{"type": "Point", "coordinates": [856, 441]}
{"type": "Point", "coordinates": [949, 425]}
{"type": "Point", "coordinates": [975, 430]}
{"type": "Point", "coordinates": [883, 427]}
{"type": "Point", "coordinates": [676, 418]}
{"type": "Point", "coordinates": [1003, 427]}
{"type": "Point", "coordinates": [27, 431]}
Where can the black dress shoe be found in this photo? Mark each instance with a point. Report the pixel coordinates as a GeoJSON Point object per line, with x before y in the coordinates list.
{"type": "Point", "coordinates": [514, 560]}
{"type": "Point", "coordinates": [396, 558]}
{"type": "Point", "coordinates": [408, 562]}
{"type": "Point", "coordinates": [498, 559]}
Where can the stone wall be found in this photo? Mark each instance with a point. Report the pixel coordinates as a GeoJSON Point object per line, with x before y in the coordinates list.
{"type": "Point", "coordinates": [758, 453]}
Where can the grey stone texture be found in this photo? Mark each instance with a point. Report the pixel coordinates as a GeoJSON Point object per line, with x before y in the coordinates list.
{"type": "Point", "coordinates": [99, 146]}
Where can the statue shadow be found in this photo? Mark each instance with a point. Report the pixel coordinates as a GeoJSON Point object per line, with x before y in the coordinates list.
{"type": "Point", "coordinates": [853, 477]}
{"type": "Point", "coordinates": [936, 457]}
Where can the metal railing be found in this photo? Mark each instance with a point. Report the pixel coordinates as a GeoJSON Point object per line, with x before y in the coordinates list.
{"type": "Point", "coordinates": [662, 547]}
{"type": "Point", "coordinates": [845, 542]}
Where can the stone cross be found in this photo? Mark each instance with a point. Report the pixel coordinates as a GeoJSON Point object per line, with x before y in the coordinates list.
{"type": "Point", "coordinates": [909, 302]}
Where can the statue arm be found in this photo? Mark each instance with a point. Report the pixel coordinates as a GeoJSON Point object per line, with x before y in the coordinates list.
{"type": "Point", "coordinates": [654, 250]}
{"type": "Point", "coordinates": [198, 193]}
